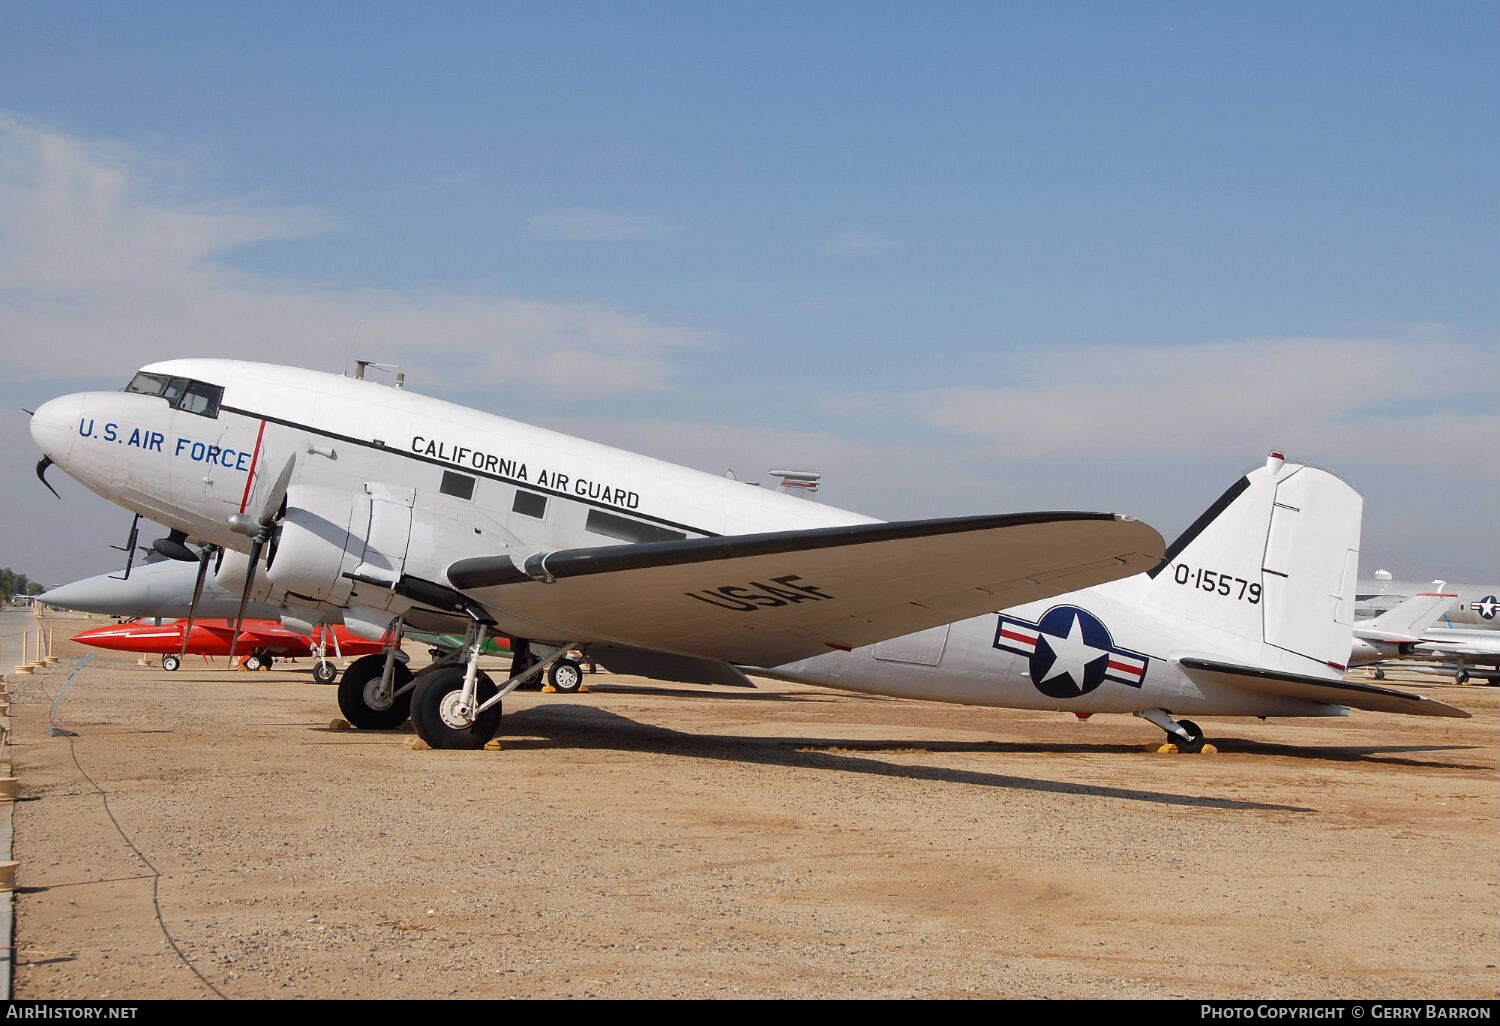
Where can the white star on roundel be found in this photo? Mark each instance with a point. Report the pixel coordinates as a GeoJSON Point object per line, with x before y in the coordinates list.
{"type": "Point", "coordinates": [1071, 652]}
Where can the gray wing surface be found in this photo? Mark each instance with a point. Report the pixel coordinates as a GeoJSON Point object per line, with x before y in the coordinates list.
{"type": "Point", "coordinates": [768, 599]}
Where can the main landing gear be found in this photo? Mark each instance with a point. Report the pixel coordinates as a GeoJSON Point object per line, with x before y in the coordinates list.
{"type": "Point", "coordinates": [456, 706]}
{"type": "Point", "coordinates": [1185, 734]}
{"type": "Point", "coordinates": [375, 692]}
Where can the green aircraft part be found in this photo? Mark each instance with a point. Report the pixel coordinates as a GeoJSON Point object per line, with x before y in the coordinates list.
{"type": "Point", "coordinates": [492, 646]}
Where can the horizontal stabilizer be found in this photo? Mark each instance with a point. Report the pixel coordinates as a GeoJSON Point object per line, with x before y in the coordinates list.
{"type": "Point", "coordinates": [1316, 689]}
{"type": "Point", "coordinates": [768, 599]}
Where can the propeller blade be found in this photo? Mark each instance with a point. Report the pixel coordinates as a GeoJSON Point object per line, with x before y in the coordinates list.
{"type": "Point", "coordinates": [272, 502]}
{"type": "Point", "coordinates": [204, 558]}
{"type": "Point", "coordinates": [239, 617]}
{"type": "Point", "coordinates": [41, 473]}
{"type": "Point", "coordinates": [260, 532]}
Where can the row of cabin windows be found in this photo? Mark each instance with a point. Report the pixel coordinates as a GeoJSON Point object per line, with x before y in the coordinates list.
{"type": "Point", "coordinates": [530, 504]}
{"type": "Point", "coordinates": [180, 393]}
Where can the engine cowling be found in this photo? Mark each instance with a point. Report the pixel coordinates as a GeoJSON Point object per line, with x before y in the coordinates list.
{"type": "Point", "coordinates": [311, 550]}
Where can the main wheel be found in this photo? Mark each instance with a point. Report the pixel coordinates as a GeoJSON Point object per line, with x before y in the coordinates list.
{"type": "Point", "coordinates": [566, 676]}
{"type": "Point", "coordinates": [1461, 677]}
{"type": "Point", "coordinates": [170, 663]}
{"type": "Point", "coordinates": [435, 713]}
{"type": "Point", "coordinates": [360, 699]}
{"type": "Point", "coordinates": [253, 662]}
{"type": "Point", "coordinates": [1379, 673]}
{"type": "Point", "coordinates": [325, 672]}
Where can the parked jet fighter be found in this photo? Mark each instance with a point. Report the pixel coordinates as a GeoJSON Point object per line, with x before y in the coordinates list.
{"type": "Point", "coordinates": [264, 641]}
{"type": "Point", "coordinates": [1472, 605]}
{"type": "Point", "coordinates": [161, 590]}
{"type": "Point", "coordinates": [338, 498]}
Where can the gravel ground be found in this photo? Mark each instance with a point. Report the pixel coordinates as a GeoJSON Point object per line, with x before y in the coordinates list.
{"type": "Point", "coordinates": [651, 840]}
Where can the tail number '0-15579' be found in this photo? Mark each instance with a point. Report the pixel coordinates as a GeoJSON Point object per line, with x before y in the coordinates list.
{"type": "Point", "coordinates": [747, 598]}
{"type": "Point", "coordinates": [1217, 583]}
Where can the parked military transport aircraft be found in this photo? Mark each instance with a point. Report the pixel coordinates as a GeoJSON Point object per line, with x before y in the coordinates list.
{"type": "Point", "coordinates": [382, 508]}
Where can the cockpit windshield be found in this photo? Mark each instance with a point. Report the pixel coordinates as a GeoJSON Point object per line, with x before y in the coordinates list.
{"type": "Point", "coordinates": [180, 393]}
{"type": "Point", "coordinates": [147, 384]}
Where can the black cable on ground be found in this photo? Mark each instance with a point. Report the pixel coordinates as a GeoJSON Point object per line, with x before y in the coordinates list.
{"type": "Point", "coordinates": [155, 874]}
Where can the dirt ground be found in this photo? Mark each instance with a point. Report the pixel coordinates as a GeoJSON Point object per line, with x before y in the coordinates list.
{"type": "Point", "coordinates": [651, 840]}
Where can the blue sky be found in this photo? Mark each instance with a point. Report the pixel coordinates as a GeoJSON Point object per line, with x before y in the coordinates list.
{"type": "Point", "coordinates": [960, 257]}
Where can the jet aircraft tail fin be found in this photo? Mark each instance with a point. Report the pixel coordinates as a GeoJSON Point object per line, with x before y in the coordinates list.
{"type": "Point", "coordinates": [1268, 570]}
{"type": "Point", "coordinates": [1405, 622]}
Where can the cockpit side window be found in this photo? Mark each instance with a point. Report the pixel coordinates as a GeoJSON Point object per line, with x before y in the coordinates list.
{"type": "Point", "coordinates": [201, 398]}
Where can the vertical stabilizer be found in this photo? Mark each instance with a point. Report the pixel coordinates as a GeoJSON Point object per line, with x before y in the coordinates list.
{"type": "Point", "coordinates": [1272, 563]}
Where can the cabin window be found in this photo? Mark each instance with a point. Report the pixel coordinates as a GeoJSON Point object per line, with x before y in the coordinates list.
{"type": "Point", "coordinates": [626, 530]}
{"type": "Point", "coordinates": [460, 486]}
{"type": "Point", "coordinates": [530, 504]}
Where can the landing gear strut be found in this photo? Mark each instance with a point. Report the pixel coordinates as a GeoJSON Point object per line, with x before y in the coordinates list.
{"type": "Point", "coordinates": [1185, 734]}
{"type": "Point", "coordinates": [459, 706]}
{"type": "Point", "coordinates": [375, 692]}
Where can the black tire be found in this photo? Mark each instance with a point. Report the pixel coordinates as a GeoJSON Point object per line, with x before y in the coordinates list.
{"type": "Point", "coordinates": [170, 663]}
{"type": "Point", "coordinates": [253, 662]}
{"type": "Point", "coordinates": [1379, 673]}
{"type": "Point", "coordinates": [325, 672]}
{"type": "Point", "coordinates": [535, 683]}
{"type": "Point", "coordinates": [266, 662]}
{"type": "Point", "coordinates": [1195, 744]}
{"type": "Point", "coordinates": [566, 676]}
{"type": "Point", "coordinates": [1461, 677]}
{"type": "Point", "coordinates": [427, 709]}
{"type": "Point", "coordinates": [356, 686]}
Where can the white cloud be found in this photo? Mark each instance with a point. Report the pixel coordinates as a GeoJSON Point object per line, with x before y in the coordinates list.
{"type": "Point", "coordinates": [596, 225]}
{"type": "Point", "coordinates": [101, 265]}
{"type": "Point", "coordinates": [857, 242]}
{"type": "Point", "coordinates": [1396, 402]}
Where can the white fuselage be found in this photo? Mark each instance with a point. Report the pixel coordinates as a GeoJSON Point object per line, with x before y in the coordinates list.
{"type": "Point", "coordinates": [519, 487]}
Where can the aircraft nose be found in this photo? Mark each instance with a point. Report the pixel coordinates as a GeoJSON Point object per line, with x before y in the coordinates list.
{"type": "Point", "coordinates": [93, 595]}
{"type": "Point", "coordinates": [53, 426]}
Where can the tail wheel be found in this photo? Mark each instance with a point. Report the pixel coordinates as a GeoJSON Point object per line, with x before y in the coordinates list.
{"type": "Point", "coordinates": [436, 709]}
{"type": "Point", "coordinates": [360, 697]}
{"type": "Point", "coordinates": [325, 672]}
{"type": "Point", "coordinates": [566, 676]}
{"type": "Point", "coordinates": [170, 663]}
{"type": "Point", "coordinates": [1196, 740]}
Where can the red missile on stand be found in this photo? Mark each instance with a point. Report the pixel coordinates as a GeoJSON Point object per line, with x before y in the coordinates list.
{"type": "Point", "coordinates": [261, 641]}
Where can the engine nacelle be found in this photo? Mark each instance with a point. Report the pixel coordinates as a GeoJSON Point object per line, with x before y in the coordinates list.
{"type": "Point", "coordinates": [310, 554]}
